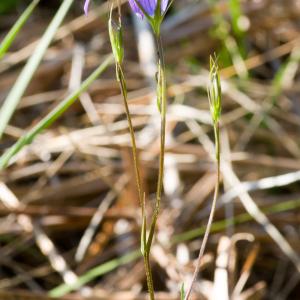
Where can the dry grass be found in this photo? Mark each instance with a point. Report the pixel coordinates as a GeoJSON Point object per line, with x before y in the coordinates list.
{"type": "Point", "coordinates": [80, 169]}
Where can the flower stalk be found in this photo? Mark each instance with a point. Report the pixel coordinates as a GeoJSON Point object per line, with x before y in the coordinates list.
{"type": "Point", "coordinates": [144, 249]}
{"type": "Point", "coordinates": [115, 33]}
{"type": "Point", "coordinates": [154, 11]}
{"type": "Point", "coordinates": [116, 40]}
{"type": "Point", "coordinates": [215, 104]}
{"type": "Point", "coordinates": [162, 106]}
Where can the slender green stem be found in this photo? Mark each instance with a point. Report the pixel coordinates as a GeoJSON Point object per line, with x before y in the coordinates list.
{"type": "Point", "coordinates": [121, 79]}
{"type": "Point", "coordinates": [212, 212]}
{"type": "Point", "coordinates": [162, 103]}
{"type": "Point", "coordinates": [149, 275]}
{"type": "Point", "coordinates": [123, 88]}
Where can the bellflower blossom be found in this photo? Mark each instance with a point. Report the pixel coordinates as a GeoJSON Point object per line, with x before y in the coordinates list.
{"type": "Point", "coordinates": [86, 6]}
{"type": "Point", "coordinates": [149, 6]}
{"type": "Point", "coordinates": [141, 7]}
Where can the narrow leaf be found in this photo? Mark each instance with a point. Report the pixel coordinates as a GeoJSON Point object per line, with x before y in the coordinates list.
{"type": "Point", "coordinates": [53, 115]}
{"type": "Point", "coordinates": [10, 37]}
{"type": "Point", "coordinates": [32, 64]}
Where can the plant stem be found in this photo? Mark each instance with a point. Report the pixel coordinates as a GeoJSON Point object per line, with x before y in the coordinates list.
{"type": "Point", "coordinates": [162, 103]}
{"type": "Point", "coordinates": [212, 212]}
{"type": "Point", "coordinates": [149, 275]}
{"type": "Point", "coordinates": [121, 79]}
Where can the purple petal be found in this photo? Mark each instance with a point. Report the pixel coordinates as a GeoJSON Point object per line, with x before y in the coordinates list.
{"type": "Point", "coordinates": [164, 5]}
{"type": "Point", "coordinates": [86, 6]}
{"type": "Point", "coordinates": [135, 8]}
{"type": "Point", "coordinates": [148, 5]}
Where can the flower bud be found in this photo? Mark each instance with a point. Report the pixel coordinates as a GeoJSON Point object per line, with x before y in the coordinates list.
{"type": "Point", "coordinates": [116, 39]}
{"type": "Point", "coordinates": [214, 91]}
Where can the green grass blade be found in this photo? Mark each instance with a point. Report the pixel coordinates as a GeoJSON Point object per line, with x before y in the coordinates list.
{"type": "Point", "coordinates": [239, 219]}
{"type": "Point", "coordinates": [10, 37]}
{"type": "Point", "coordinates": [282, 78]}
{"type": "Point", "coordinates": [109, 266]}
{"type": "Point", "coordinates": [53, 115]}
{"type": "Point", "coordinates": [236, 14]}
{"type": "Point", "coordinates": [182, 292]}
{"type": "Point", "coordinates": [32, 64]}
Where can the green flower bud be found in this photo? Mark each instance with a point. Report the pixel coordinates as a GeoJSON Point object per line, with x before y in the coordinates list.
{"type": "Point", "coordinates": [116, 39]}
{"type": "Point", "coordinates": [214, 91]}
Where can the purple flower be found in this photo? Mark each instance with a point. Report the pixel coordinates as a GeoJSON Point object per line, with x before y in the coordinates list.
{"type": "Point", "coordinates": [148, 5]}
{"type": "Point", "coordinates": [86, 6]}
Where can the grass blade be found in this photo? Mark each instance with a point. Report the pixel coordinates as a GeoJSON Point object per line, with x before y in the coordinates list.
{"type": "Point", "coordinates": [32, 64]}
{"type": "Point", "coordinates": [53, 115]}
{"type": "Point", "coordinates": [239, 219]}
{"type": "Point", "coordinates": [236, 14]}
{"type": "Point", "coordinates": [10, 37]}
{"type": "Point", "coordinates": [94, 273]}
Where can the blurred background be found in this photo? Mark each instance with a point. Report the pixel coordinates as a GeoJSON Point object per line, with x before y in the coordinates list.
{"type": "Point", "coordinates": [70, 218]}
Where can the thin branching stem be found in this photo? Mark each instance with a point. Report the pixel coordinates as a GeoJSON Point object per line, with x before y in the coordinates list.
{"type": "Point", "coordinates": [121, 79]}
{"type": "Point", "coordinates": [212, 212]}
{"type": "Point", "coordinates": [162, 103]}
{"type": "Point", "coordinates": [149, 276]}
{"type": "Point", "coordinates": [123, 88]}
